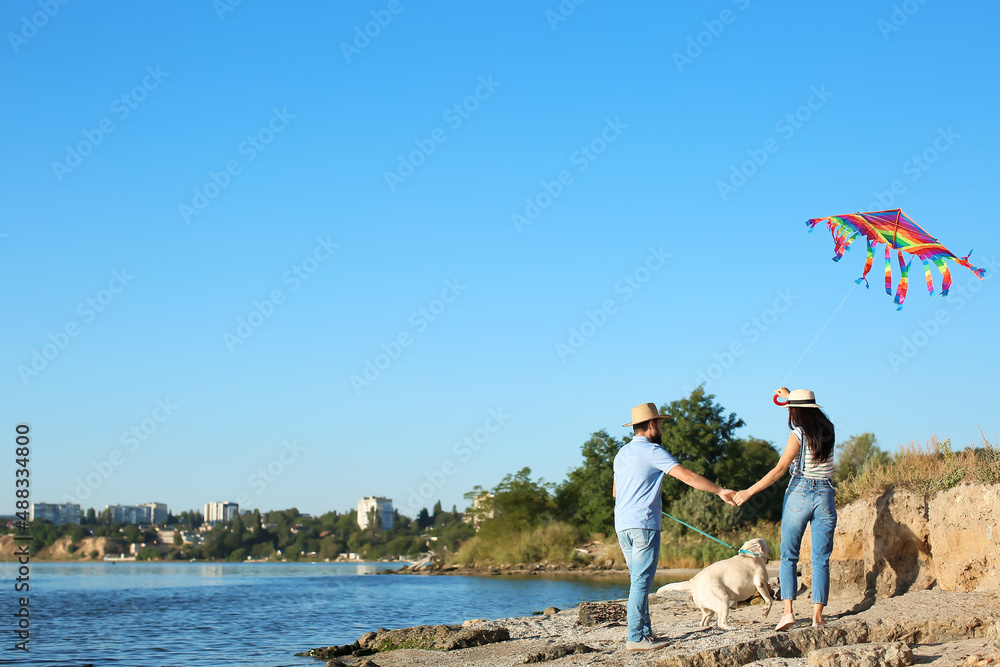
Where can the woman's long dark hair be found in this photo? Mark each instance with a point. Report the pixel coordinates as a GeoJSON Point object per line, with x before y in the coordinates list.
{"type": "Point", "coordinates": [818, 430]}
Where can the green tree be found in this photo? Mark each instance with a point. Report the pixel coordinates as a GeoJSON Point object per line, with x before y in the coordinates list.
{"type": "Point", "coordinates": [517, 502]}
{"type": "Point", "coordinates": [178, 540]}
{"type": "Point", "coordinates": [699, 435]}
{"type": "Point", "coordinates": [132, 533]}
{"type": "Point", "coordinates": [856, 454]}
{"type": "Point", "coordinates": [585, 498]}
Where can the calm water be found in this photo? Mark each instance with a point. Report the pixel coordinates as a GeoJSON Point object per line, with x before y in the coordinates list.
{"type": "Point", "coordinates": [151, 614]}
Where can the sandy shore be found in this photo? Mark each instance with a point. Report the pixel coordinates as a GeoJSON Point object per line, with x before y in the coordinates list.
{"type": "Point", "coordinates": [938, 625]}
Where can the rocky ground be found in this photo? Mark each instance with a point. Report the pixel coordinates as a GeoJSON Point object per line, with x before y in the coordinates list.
{"type": "Point", "coordinates": [930, 627]}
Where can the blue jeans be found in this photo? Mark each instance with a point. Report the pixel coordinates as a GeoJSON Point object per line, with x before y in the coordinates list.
{"type": "Point", "coordinates": [807, 501]}
{"type": "Point", "coordinates": [641, 548]}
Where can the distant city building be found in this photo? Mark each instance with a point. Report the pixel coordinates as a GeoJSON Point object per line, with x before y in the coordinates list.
{"type": "Point", "coordinates": [158, 512]}
{"type": "Point", "coordinates": [221, 511]}
{"type": "Point", "coordinates": [381, 506]}
{"type": "Point", "coordinates": [149, 513]}
{"type": "Point", "coordinates": [57, 514]}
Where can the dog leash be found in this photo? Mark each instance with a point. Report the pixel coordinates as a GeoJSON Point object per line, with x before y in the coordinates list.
{"type": "Point", "coordinates": [742, 551]}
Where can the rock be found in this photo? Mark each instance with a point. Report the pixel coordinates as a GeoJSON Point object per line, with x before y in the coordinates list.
{"type": "Point", "coordinates": [896, 654]}
{"type": "Point", "coordinates": [368, 662]}
{"type": "Point", "coordinates": [794, 644]}
{"type": "Point", "coordinates": [599, 613]}
{"type": "Point", "coordinates": [556, 652]}
{"type": "Point", "coordinates": [900, 542]}
{"type": "Point", "coordinates": [551, 610]}
{"type": "Point", "coordinates": [439, 637]}
{"type": "Point", "coordinates": [366, 639]}
{"type": "Point", "coordinates": [335, 663]}
{"type": "Point", "coordinates": [993, 633]}
{"type": "Point", "coordinates": [329, 652]}
{"type": "Point", "coordinates": [473, 621]}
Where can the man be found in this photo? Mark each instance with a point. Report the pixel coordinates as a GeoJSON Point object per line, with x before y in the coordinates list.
{"type": "Point", "coordinates": [639, 469]}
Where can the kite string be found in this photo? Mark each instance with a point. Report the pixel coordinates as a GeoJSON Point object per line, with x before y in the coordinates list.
{"type": "Point", "coordinates": [817, 336]}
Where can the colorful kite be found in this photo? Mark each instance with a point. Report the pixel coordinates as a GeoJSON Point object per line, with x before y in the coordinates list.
{"type": "Point", "coordinates": [897, 231]}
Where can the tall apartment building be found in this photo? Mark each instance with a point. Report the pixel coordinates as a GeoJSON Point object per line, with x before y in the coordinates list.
{"type": "Point", "coordinates": [150, 513]}
{"type": "Point", "coordinates": [220, 511]}
{"type": "Point", "coordinates": [382, 506]}
{"type": "Point", "coordinates": [56, 513]}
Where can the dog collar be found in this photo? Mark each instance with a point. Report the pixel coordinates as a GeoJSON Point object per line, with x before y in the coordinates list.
{"type": "Point", "coordinates": [752, 553]}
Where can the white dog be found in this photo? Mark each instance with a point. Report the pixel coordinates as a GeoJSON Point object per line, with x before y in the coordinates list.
{"type": "Point", "coordinates": [720, 585]}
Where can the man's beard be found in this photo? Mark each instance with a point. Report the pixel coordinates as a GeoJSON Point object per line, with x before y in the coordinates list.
{"type": "Point", "coordinates": [656, 439]}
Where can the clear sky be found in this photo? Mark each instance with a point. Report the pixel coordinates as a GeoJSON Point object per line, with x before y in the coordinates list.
{"type": "Point", "coordinates": [250, 252]}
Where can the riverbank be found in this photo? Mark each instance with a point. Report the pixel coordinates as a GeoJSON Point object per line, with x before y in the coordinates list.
{"type": "Point", "coordinates": [932, 627]}
{"type": "Point", "coordinates": [537, 569]}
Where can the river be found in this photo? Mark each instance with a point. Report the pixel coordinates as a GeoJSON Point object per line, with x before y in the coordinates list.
{"type": "Point", "coordinates": [252, 614]}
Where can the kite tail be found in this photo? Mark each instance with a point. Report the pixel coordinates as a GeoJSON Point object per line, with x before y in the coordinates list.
{"type": "Point", "coordinates": [904, 281]}
{"type": "Point", "coordinates": [868, 264]}
{"type": "Point", "coordinates": [888, 271]}
{"type": "Point", "coordinates": [927, 277]}
{"type": "Point", "coordinates": [840, 243]}
{"type": "Point", "coordinates": [946, 278]}
{"type": "Point", "coordinates": [964, 261]}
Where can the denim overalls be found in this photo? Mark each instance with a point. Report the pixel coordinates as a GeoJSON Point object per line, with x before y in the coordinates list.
{"type": "Point", "coordinates": [807, 501]}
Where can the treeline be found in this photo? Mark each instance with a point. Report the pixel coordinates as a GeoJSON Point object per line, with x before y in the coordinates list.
{"type": "Point", "coordinates": [281, 534]}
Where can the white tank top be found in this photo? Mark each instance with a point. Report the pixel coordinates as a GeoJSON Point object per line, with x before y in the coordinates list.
{"type": "Point", "coordinates": [804, 463]}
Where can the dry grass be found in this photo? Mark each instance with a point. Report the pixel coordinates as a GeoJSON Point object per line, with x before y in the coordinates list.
{"type": "Point", "coordinates": [925, 470]}
{"type": "Point", "coordinates": [551, 543]}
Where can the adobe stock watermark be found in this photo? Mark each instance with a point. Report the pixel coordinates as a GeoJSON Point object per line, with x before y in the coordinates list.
{"type": "Point", "coordinates": [419, 321]}
{"type": "Point", "coordinates": [133, 438]}
{"type": "Point", "coordinates": [751, 331]}
{"type": "Point", "coordinates": [121, 107]}
{"type": "Point", "coordinates": [787, 126]}
{"type": "Point", "coordinates": [294, 277]}
{"type": "Point", "coordinates": [363, 36]}
{"type": "Point", "coordinates": [223, 7]}
{"type": "Point", "coordinates": [914, 168]}
{"type": "Point", "coordinates": [562, 12]}
{"type": "Point", "coordinates": [454, 116]}
{"type": "Point", "coordinates": [594, 320]}
{"type": "Point", "coordinates": [463, 450]}
{"type": "Point", "coordinates": [248, 149]}
{"type": "Point", "coordinates": [581, 159]}
{"type": "Point", "coordinates": [901, 13]}
{"type": "Point", "coordinates": [959, 295]}
{"type": "Point", "coordinates": [266, 475]}
{"type": "Point", "coordinates": [714, 28]}
{"type": "Point", "coordinates": [30, 25]}
{"type": "Point", "coordinates": [87, 310]}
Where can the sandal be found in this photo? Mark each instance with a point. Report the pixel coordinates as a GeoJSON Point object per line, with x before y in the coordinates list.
{"type": "Point", "coordinates": [787, 621]}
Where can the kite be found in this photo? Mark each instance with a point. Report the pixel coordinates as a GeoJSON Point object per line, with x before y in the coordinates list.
{"type": "Point", "coordinates": [897, 231]}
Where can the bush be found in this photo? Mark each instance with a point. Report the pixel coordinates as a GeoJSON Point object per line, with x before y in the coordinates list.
{"type": "Point", "coordinates": [553, 543]}
{"type": "Point", "coordinates": [696, 551]}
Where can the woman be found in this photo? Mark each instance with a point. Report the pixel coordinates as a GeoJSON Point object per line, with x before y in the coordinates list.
{"type": "Point", "coordinates": [808, 499]}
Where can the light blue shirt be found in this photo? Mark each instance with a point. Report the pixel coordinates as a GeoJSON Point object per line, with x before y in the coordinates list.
{"type": "Point", "coordinates": [639, 469]}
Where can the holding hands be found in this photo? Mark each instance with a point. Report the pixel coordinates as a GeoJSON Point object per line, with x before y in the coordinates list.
{"type": "Point", "coordinates": [727, 496]}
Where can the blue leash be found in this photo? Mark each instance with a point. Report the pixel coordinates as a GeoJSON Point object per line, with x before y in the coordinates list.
{"type": "Point", "coordinates": [742, 551]}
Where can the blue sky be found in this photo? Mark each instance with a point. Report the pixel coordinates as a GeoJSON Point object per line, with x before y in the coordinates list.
{"type": "Point", "coordinates": [517, 219]}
